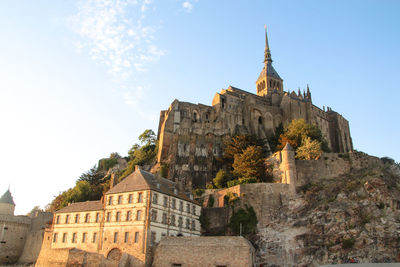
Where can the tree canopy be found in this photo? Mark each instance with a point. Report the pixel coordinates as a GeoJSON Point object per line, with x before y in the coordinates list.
{"type": "Point", "coordinates": [92, 184]}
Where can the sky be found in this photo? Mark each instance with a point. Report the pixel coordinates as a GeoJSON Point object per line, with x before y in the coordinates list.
{"type": "Point", "coordinates": [82, 79]}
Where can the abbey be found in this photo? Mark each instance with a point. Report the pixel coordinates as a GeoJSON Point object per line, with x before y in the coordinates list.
{"type": "Point", "coordinates": [191, 135]}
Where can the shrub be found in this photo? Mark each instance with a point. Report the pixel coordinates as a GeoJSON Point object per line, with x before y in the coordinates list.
{"type": "Point", "coordinates": [198, 192]}
{"type": "Point", "coordinates": [245, 217]}
{"type": "Point", "coordinates": [348, 243]}
{"type": "Point", "coordinates": [221, 179]}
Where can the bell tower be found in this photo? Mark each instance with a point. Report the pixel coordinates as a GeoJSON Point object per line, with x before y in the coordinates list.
{"type": "Point", "coordinates": [269, 80]}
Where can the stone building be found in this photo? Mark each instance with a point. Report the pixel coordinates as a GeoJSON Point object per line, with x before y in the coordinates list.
{"type": "Point", "coordinates": [20, 236]}
{"type": "Point", "coordinates": [207, 251]}
{"type": "Point", "coordinates": [191, 135]}
{"type": "Point", "coordinates": [131, 218]}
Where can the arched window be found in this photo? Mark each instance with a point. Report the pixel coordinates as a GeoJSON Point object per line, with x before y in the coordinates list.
{"type": "Point", "coordinates": [259, 120]}
{"type": "Point", "coordinates": [194, 116]}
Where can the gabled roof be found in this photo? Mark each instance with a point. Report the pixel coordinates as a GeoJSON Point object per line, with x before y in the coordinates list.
{"type": "Point", "coordinates": [7, 198]}
{"type": "Point", "coordinates": [82, 206]}
{"type": "Point", "coordinates": [143, 180]}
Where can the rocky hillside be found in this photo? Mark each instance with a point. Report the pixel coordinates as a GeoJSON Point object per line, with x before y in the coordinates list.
{"type": "Point", "coordinates": [353, 217]}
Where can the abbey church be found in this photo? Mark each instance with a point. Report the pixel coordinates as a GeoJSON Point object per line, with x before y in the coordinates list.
{"type": "Point", "coordinates": [191, 136]}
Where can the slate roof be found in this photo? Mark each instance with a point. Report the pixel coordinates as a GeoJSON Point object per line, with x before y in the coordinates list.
{"type": "Point", "coordinates": [82, 206]}
{"type": "Point", "coordinates": [271, 72]}
{"type": "Point", "coordinates": [7, 198]}
{"type": "Point", "coordinates": [143, 180]}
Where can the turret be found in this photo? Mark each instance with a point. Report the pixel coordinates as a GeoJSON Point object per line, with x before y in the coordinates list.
{"type": "Point", "coordinates": [268, 80]}
{"type": "Point", "coordinates": [7, 204]}
{"type": "Point", "coordinates": [288, 165]}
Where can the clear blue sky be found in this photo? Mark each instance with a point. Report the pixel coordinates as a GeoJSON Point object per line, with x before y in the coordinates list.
{"type": "Point", "coordinates": [82, 79]}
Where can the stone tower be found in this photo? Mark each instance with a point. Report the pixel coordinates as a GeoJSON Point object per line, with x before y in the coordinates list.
{"type": "Point", "coordinates": [288, 165]}
{"type": "Point", "coordinates": [269, 80]}
{"type": "Point", "coordinates": [7, 204]}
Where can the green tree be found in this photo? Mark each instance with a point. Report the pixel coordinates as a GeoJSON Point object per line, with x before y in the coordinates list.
{"type": "Point", "coordinates": [274, 140]}
{"type": "Point", "coordinates": [221, 179]}
{"type": "Point", "coordinates": [237, 144]}
{"type": "Point", "coordinates": [247, 218]}
{"type": "Point", "coordinates": [310, 149]}
{"type": "Point", "coordinates": [249, 166]}
{"type": "Point", "coordinates": [298, 131]}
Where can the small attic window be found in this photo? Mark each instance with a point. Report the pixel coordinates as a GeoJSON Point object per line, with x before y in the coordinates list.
{"type": "Point", "coordinates": [175, 191]}
{"type": "Point", "coordinates": [158, 185]}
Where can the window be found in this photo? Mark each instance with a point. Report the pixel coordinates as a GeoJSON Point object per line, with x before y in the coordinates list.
{"type": "Point", "coordinates": [138, 215]}
{"type": "Point", "coordinates": [115, 237]}
{"type": "Point", "coordinates": [194, 210]}
{"type": "Point", "coordinates": [126, 238]}
{"type": "Point", "coordinates": [181, 205]}
{"type": "Point", "coordinates": [94, 239]}
{"type": "Point", "coordinates": [153, 238]}
{"type": "Point", "coordinates": [140, 198]}
{"type": "Point", "coordinates": [58, 219]}
{"type": "Point", "coordinates": [84, 237]}
{"type": "Point", "coordinates": [193, 225]}
{"type": "Point", "coordinates": [187, 224]}
{"type": "Point", "coordinates": [110, 200]}
{"type": "Point", "coordinates": [165, 203]}
{"type": "Point", "coordinates": [54, 237]}
{"type": "Point", "coordinates": [108, 216]}
{"type": "Point", "coordinates": [66, 218]}
{"type": "Point", "coordinates": [128, 215]}
{"type": "Point", "coordinates": [172, 220]}
{"type": "Point", "coordinates": [118, 216]}
{"type": "Point", "coordinates": [173, 203]}
{"type": "Point", "coordinates": [164, 218]}
{"type": "Point", "coordinates": [76, 218]}
{"type": "Point", "coordinates": [188, 208]}
{"type": "Point", "coordinates": [180, 221]}
{"type": "Point", "coordinates": [64, 239]}
{"type": "Point", "coordinates": [74, 238]}
{"type": "Point", "coordinates": [97, 216]}
{"type": "Point", "coordinates": [120, 199]}
{"type": "Point", "coordinates": [136, 237]}
{"type": "Point", "coordinates": [155, 199]}
{"type": "Point", "coordinates": [153, 215]}
{"type": "Point", "coordinates": [87, 218]}
{"type": "Point", "coordinates": [194, 116]}
{"type": "Point", "coordinates": [130, 198]}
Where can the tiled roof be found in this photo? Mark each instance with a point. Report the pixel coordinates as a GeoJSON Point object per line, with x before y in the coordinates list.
{"type": "Point", "coordinates": [143, 180]}
{"type": "Point", "coordinates": [82, 206]}
{"type": "Point", "coordinates": [7, 198]}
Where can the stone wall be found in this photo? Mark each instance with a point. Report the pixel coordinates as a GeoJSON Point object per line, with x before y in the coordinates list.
{"type": "Point", "coordinates": [34, 237]}
{"type": "Point", "coordinates": [204, 251]}
{"type": "Point", "coordinates": [13, 231]}
{"type": "Point", "coordinates": [191, 136]}
{"type": "Point", "coordinates": [331, 165]}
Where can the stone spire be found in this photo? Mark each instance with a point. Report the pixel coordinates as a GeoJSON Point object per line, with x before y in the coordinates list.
{"type": "Point", "coordinates": [308, 93]}
{"type": "Point", "coordinates": [269, 80]}
{"type": "Point", "coordinates": [267, 52]}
